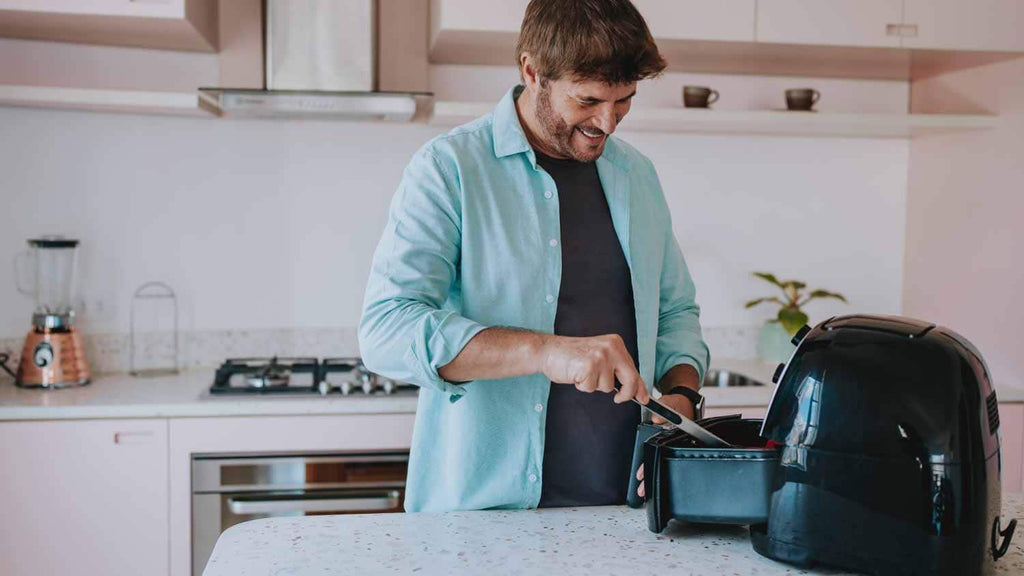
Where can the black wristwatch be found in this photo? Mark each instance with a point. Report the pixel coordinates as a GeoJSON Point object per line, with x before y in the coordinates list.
{"type": "Point", "coordinates": [694, 396]}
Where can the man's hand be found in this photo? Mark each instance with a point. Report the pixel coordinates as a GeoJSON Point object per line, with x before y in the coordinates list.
{"type": "Point", "coordinates": [593, 363]}
{"type": "Point", "coordinates": [680, 404]}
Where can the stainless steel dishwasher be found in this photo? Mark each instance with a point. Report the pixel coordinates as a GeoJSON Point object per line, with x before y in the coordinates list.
{"type": "Point", "coordinates": [228, 489]}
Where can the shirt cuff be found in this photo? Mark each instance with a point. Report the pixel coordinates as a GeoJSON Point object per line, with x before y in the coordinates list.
{"type": "Point", "coordinates": [427, 356]}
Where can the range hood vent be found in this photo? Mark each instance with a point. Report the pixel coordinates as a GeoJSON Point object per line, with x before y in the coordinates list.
{"type": "Point", "coordinates": [319, 61]}
{"type": "Point", "coordinates": [348, 105]}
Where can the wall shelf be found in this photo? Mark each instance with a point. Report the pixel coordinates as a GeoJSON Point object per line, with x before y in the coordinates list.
{"type": "Point", "coordinates": [130, 101]}
{"type": "Point", "coordinates": [763, 122]}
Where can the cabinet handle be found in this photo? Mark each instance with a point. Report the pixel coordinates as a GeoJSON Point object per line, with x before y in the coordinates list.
{"type": "Point", "coordinates": [902, 30]}
{"type": "Point", "coordinates": [272, 505]}
{"type": "Point", "coordinates": [136, 437]}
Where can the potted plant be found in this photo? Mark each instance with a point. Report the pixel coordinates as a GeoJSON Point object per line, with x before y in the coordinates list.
{"type": "Point", "coordinates": [774, 344]}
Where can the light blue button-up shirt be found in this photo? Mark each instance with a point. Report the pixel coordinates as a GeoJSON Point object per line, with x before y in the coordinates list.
{"type": "Point", "coordinates": [467, 246]}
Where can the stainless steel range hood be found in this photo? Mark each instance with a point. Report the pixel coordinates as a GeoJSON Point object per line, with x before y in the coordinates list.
{"type": "Point", "coordinates": [320, 61]}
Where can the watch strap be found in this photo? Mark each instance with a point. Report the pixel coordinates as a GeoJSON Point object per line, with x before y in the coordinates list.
{"type": "Point", "coordinates": [690, 393]}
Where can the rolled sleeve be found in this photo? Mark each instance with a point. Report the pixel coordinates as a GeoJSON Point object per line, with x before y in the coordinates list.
{"type": "Point", "coordinates": [406, 331]}
{"type": "Point", "coordinates": [680, 340]}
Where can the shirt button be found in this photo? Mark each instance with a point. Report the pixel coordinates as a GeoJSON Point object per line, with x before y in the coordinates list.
{"type": "Point", "coordinates": [550, 298]}
{"type": "Point", "coordinates": [553, 242]}
{"type": "Point", "coordinates": [533, 477]}
{"type": "Point", "coordinates": [539, 407]}
{"type": "Point", "coordinates": [549, 194]}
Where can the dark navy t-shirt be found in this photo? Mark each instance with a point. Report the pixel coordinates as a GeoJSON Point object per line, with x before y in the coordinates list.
{"type": "Point", "coordinates": [588, 439]}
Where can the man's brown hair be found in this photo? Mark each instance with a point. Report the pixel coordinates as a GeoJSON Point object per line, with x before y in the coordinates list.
{"type": "Point", "coordinates": [605, 40]}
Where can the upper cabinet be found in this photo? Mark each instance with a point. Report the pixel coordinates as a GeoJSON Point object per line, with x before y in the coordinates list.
{"type": "Point", "coordinates": [484, 31]}
{"type": "Point", "coordinates": [872, 23]}
{"type": "Point", "coordinates": [964, 25]}
{"type": "Point", "coordinates": [728, 20]}
{"type": "Point", "coordinates": [170, 24]}
{"type": "Point", "coordinates": [885, 39]}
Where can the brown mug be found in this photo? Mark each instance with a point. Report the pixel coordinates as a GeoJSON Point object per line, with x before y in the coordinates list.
{"type": "Point", "coordinates": [801, 98]}
{"type": "Point", "coordinates": [699, 96]}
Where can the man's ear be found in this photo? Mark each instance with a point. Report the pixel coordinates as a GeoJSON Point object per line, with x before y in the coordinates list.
{"type": "Point", "coordinates": [528, 71]}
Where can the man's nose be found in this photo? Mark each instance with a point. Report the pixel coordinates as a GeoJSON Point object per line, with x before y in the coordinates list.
{"type": "Point", "coordinates": [606, 120]}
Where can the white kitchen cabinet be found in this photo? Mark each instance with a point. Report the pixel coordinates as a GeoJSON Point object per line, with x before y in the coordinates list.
{"type": "Point", "coordinates": [1011, 435]}
{"type": "Point", "coordinates": [84, 497]}
{"type": "Point", "coordinates": [729, 20]}
{"type": "Point", "coordinates": [961, 25]}
{"type": "Point", "coordinates": [831, 22]}
{"type": "Point", "coordinates": [173, 24]}
{"type": "Point", "coordinates": [485, 30]}
{"type": "Point", "coordinates": [153, 8]}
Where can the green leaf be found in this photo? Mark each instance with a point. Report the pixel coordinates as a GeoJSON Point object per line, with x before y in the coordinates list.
{"type": "Point", "coordinates": [757, 301]}
{"type": "Point", "coordinates": [825, 294]}
{"type": "Point", "coordinates": [769, 278]}
{"type": "Point", "coordinates": [796, 284]}
{"type": "Point", "coordinates": [792, 319]}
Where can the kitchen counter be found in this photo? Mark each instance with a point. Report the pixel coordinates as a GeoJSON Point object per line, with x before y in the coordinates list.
{"type": "Point", "coordinates": [590, 541]}
{"type": "Point", "coordinates": [185, 395]}
{"type": "Point", "coordinates": [179, 396]}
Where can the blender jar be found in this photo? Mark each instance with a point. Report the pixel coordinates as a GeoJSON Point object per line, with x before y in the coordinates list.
{"type": "Point", "coordinates": [53, 261]}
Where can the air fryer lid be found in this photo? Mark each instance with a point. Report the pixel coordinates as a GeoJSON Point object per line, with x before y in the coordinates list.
{"type": "Point", "coordinates": [886, 387]}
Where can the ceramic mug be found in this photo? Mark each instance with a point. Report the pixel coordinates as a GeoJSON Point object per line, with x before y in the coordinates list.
{"type": "Point", "coordinates": [801, 98]}
{"type": "Point", "coordinates": [699, 96]}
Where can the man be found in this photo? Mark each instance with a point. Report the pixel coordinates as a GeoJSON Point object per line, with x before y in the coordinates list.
{"type": "Point", "coordinates": [528, 262]}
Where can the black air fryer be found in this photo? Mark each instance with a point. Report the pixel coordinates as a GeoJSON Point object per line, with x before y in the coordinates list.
{"type": "Point", "coordinates": [888, 457]}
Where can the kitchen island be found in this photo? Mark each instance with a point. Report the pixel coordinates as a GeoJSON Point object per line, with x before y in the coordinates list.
{"type": "Point", "coordinates": [591, 541]}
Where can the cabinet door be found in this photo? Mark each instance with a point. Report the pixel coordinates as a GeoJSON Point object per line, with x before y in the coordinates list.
{"type": "Point", "coordinates": [477, 15]}
{"type": "Point", "coordinates": [152, 8]}
{"type": "Point", "coordinates": [730, 20]}
{"type": "Point", "coordinates": [962, 25]}
{"type": "Point", "coordinates": [1011, 437]}
{"type": "Point", "coordinates": [84, 497]}
{"type": "Point", "coordinates": [835, 22]}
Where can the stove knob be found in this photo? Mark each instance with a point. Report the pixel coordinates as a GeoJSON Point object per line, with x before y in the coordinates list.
{"type": "Point", "coordinates": [323, 387]}
{"type": "Point", "coordinates": [346, 387]}
{"type": "Point", "coordinates": [367, 384]}
{"type": "Point", "coordinates": [389, 385]}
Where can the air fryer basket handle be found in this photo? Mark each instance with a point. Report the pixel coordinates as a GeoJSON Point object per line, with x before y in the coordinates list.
{"type": "Point", "coordinates": [1007, 535]}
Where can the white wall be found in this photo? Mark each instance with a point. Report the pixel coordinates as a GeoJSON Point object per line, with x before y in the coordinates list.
{"type": "Point", "coordinates": [965, 244]}
{"type": "Point", "coordinates": [265, 224]}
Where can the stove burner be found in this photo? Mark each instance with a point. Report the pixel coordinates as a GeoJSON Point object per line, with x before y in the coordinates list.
{"type": "Point", "coordinates": [260, 376]}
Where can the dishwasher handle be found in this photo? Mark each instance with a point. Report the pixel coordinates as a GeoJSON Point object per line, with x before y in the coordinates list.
{"type": "Point", "coordinates": [360, 502]}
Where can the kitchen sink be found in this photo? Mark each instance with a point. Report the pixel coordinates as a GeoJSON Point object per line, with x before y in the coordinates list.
{"type": "Point", "coordinates": [724, 378]}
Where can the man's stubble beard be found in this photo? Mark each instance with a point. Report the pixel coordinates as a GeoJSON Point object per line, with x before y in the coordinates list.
{"type": "Point", "coordinates": [557, 132]}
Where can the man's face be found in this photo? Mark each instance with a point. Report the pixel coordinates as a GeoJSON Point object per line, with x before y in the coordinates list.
{"type": "Point", "coordinates": [577, 116]}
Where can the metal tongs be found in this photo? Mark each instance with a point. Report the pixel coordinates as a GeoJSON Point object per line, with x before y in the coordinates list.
{"type": "Point", "coordinates": [683, 423]}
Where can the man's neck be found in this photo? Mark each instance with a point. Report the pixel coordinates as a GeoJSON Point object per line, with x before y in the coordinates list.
{"type": "Point", "coordinates": [526, 109]}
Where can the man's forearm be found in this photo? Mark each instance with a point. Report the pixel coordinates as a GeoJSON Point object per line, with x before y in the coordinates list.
{"type": "Point", "coordinates": [679, 375]}
{"type": "Point", "coordinates": [497, 353]}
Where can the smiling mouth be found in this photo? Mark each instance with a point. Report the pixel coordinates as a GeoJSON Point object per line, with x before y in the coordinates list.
{"type": "Point", "coordinates": [592, 135]}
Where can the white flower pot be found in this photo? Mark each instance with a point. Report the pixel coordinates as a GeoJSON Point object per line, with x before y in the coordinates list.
{"type": "Point", "coordinates": [774, 344]}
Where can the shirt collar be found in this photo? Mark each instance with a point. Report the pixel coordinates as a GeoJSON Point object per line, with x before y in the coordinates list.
{"type": "Point", "coordinates": [509, 137]}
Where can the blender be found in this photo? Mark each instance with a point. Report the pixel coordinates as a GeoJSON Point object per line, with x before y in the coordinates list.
{"type": "Point", "coordinates": [53, 356]}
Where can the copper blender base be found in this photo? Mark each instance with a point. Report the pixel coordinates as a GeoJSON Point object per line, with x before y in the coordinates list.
{"type": "Point", "coordinates": [52, 359]}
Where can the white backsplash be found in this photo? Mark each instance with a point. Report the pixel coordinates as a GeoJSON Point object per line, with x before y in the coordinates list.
{"type": "Point", "coordinates": [109, 353]}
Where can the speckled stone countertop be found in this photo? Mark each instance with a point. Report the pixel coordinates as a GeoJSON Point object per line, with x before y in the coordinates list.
{"type": "Point", "coordinates": [587, 541]}
{"type": "Point", "coordinates": [182, 395]}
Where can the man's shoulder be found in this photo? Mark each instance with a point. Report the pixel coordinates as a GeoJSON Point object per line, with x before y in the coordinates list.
{"type": "Point", "coordinates": [474, 138]}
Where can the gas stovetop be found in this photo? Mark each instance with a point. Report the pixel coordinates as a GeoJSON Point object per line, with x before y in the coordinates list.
{"type": "Point", "coordinates": [290, 376]}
